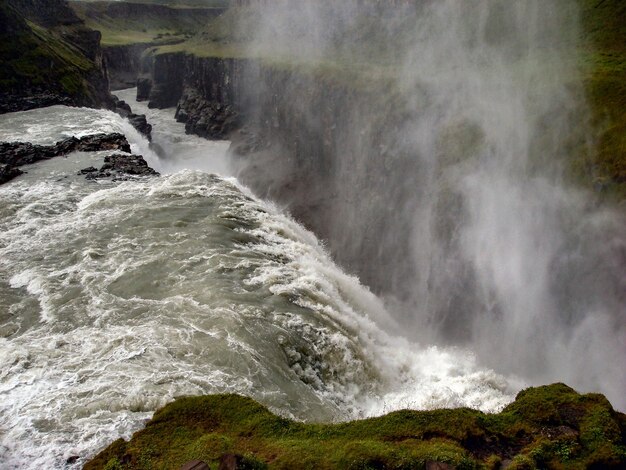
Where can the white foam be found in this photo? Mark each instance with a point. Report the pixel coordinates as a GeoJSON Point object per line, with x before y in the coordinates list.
{"type": "Point", "coordinates": [186, 285]}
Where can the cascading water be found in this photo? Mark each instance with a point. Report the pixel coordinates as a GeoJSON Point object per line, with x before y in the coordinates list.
{"type": "Point", "coordinates": [467, 226]}
{"type": "Point", "coordinates": [118, 297]}
{"type": "Point", "coordinates": [519, 264]}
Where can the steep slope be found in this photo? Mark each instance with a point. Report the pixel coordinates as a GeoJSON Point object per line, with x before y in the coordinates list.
{"type": "Point", "coordinates": [48, 57]}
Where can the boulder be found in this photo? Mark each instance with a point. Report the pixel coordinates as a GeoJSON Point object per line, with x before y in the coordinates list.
{"type": "Point", "coordinates": [144, 86]}
{"type": "Point", "coordinates": [8, 172]}
{"type": "Point", "coordinates": [15, 154]}
{"type": "Point", "coordinates": [120, 167]}
{"type": "Point", "coordinates": [139, 122]}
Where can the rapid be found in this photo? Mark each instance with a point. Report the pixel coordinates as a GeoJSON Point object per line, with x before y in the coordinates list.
{"type": "Point", "coordinates": [117, 297]}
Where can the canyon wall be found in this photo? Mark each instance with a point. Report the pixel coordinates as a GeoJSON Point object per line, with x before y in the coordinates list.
{"type": "Point", "coordinates": [308, 155]}
{"type": "Point", "coordinates": [441, 175]}
{"type": "Point", "coordinates": [49, 57]}
{"type": "Point", "coordinates": [131, 28]}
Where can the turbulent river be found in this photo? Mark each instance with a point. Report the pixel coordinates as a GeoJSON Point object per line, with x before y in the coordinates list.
{"type": "Point", "coordinates": [116, 297]}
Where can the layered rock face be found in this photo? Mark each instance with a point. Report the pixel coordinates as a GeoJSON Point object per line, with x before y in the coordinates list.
{"type": "Point", "coordinates": [211, 94]}
{"type": "Point", "coordinates": [49, 57]}
{"type": "Point", "coordinates": [123, 64]}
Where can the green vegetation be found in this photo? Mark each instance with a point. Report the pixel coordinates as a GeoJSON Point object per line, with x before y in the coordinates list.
{"type": "Point", "coordinates": [367, 55]}
{"type": "Point", "coordinates": [129, 23]}
{"type": "Point", "coordinates": [604, 64]}
{"type": "Point", "coordinates": [546, 427]}
{"type": "Point", "coordinates": [39, 59]}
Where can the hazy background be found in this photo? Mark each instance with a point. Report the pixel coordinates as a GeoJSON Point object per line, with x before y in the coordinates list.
{"type": "Point", "coordinates": [447, 190]}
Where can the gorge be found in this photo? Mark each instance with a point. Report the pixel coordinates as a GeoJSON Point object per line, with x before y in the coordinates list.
{"type": "Point", "coordinates": [463, 166]}
{"type": "Point", "coordinates": [483, 162]}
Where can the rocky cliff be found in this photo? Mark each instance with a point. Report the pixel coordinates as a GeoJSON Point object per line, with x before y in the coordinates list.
{"type": "Point", "coordinates": [332, 146]}
{"type": "Point", "coordinates": [305, 153]}
{"type": "Point", "coordinates": [49, 57]}
{"type": "Point", "coordinates": [130, 28]}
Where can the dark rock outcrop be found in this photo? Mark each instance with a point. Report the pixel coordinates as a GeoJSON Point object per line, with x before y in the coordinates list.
{"type": "Point", "coordinates": [138, 121]}
{"type": "Point", "coordinates": [210, 119]}
{"type": "Point", "coordinates": [16, 154]}
{"type": "Point", "coordinates": [120, 167]}
{"type": "Point", "coordinates": [144, 87]}
{"type": "Point", "coordinates": [8, 172]}
{"type": "Point", "coordinates": [210, 94]}
{"type": "Point", "coordinates": [25, 153]}
{"type": "Point", "coordinates": [122, 107]}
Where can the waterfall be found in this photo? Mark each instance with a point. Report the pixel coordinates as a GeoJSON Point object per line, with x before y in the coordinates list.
{"type": "Point", "coordinates": [456, 202]}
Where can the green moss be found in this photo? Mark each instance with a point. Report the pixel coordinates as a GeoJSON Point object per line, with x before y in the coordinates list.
{"type": "Point", "coordinates": [35, 58]}
{"type": "Point", "coordinates": [603, 60]}
{"type": "Point", "coordinates": [546, 427]}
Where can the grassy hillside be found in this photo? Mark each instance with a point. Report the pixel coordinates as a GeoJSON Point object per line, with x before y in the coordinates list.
{"type": "Point", "coordinates": [546, 427]}
{"type": "Point", "coordinates": [41, 61]}
{"type": "Point", "coordinates": [131, 22]}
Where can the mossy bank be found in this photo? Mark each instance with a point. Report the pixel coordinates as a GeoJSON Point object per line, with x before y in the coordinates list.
{"type": "Point", "coordinates": [546, 427]}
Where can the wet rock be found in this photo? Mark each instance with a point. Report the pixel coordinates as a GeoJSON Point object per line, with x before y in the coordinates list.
{"type": "Point", "coordinates": [195, 465]}
{"type": "Point", "coordinates": [144, 86]}
{"type": "Point", "coordinates": [138, 121]}
{"type": "Point", "coordinates": [206, 118]}
{"type": "Point", "coordinates": [98, 142]}
{"type": "Point", "coordinates": [8, 172]}
{"type": "Point", "coordinates": [181, 114]}
{"type": "Point", "coordinates": [24, 153]}
{"type": "Point", "coordinates": [72, 459]}
{"type": "Point", "coordinates": [120, 167]}
{"type": "Point", "coordinates": [121, 107]}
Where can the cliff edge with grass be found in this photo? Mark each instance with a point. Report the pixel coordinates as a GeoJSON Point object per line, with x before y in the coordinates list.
{"type": "Point", "coordinates": [550, 427]}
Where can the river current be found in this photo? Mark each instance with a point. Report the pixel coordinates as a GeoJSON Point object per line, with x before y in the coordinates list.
{"type": "Point", "coordinates": [117, 297]}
